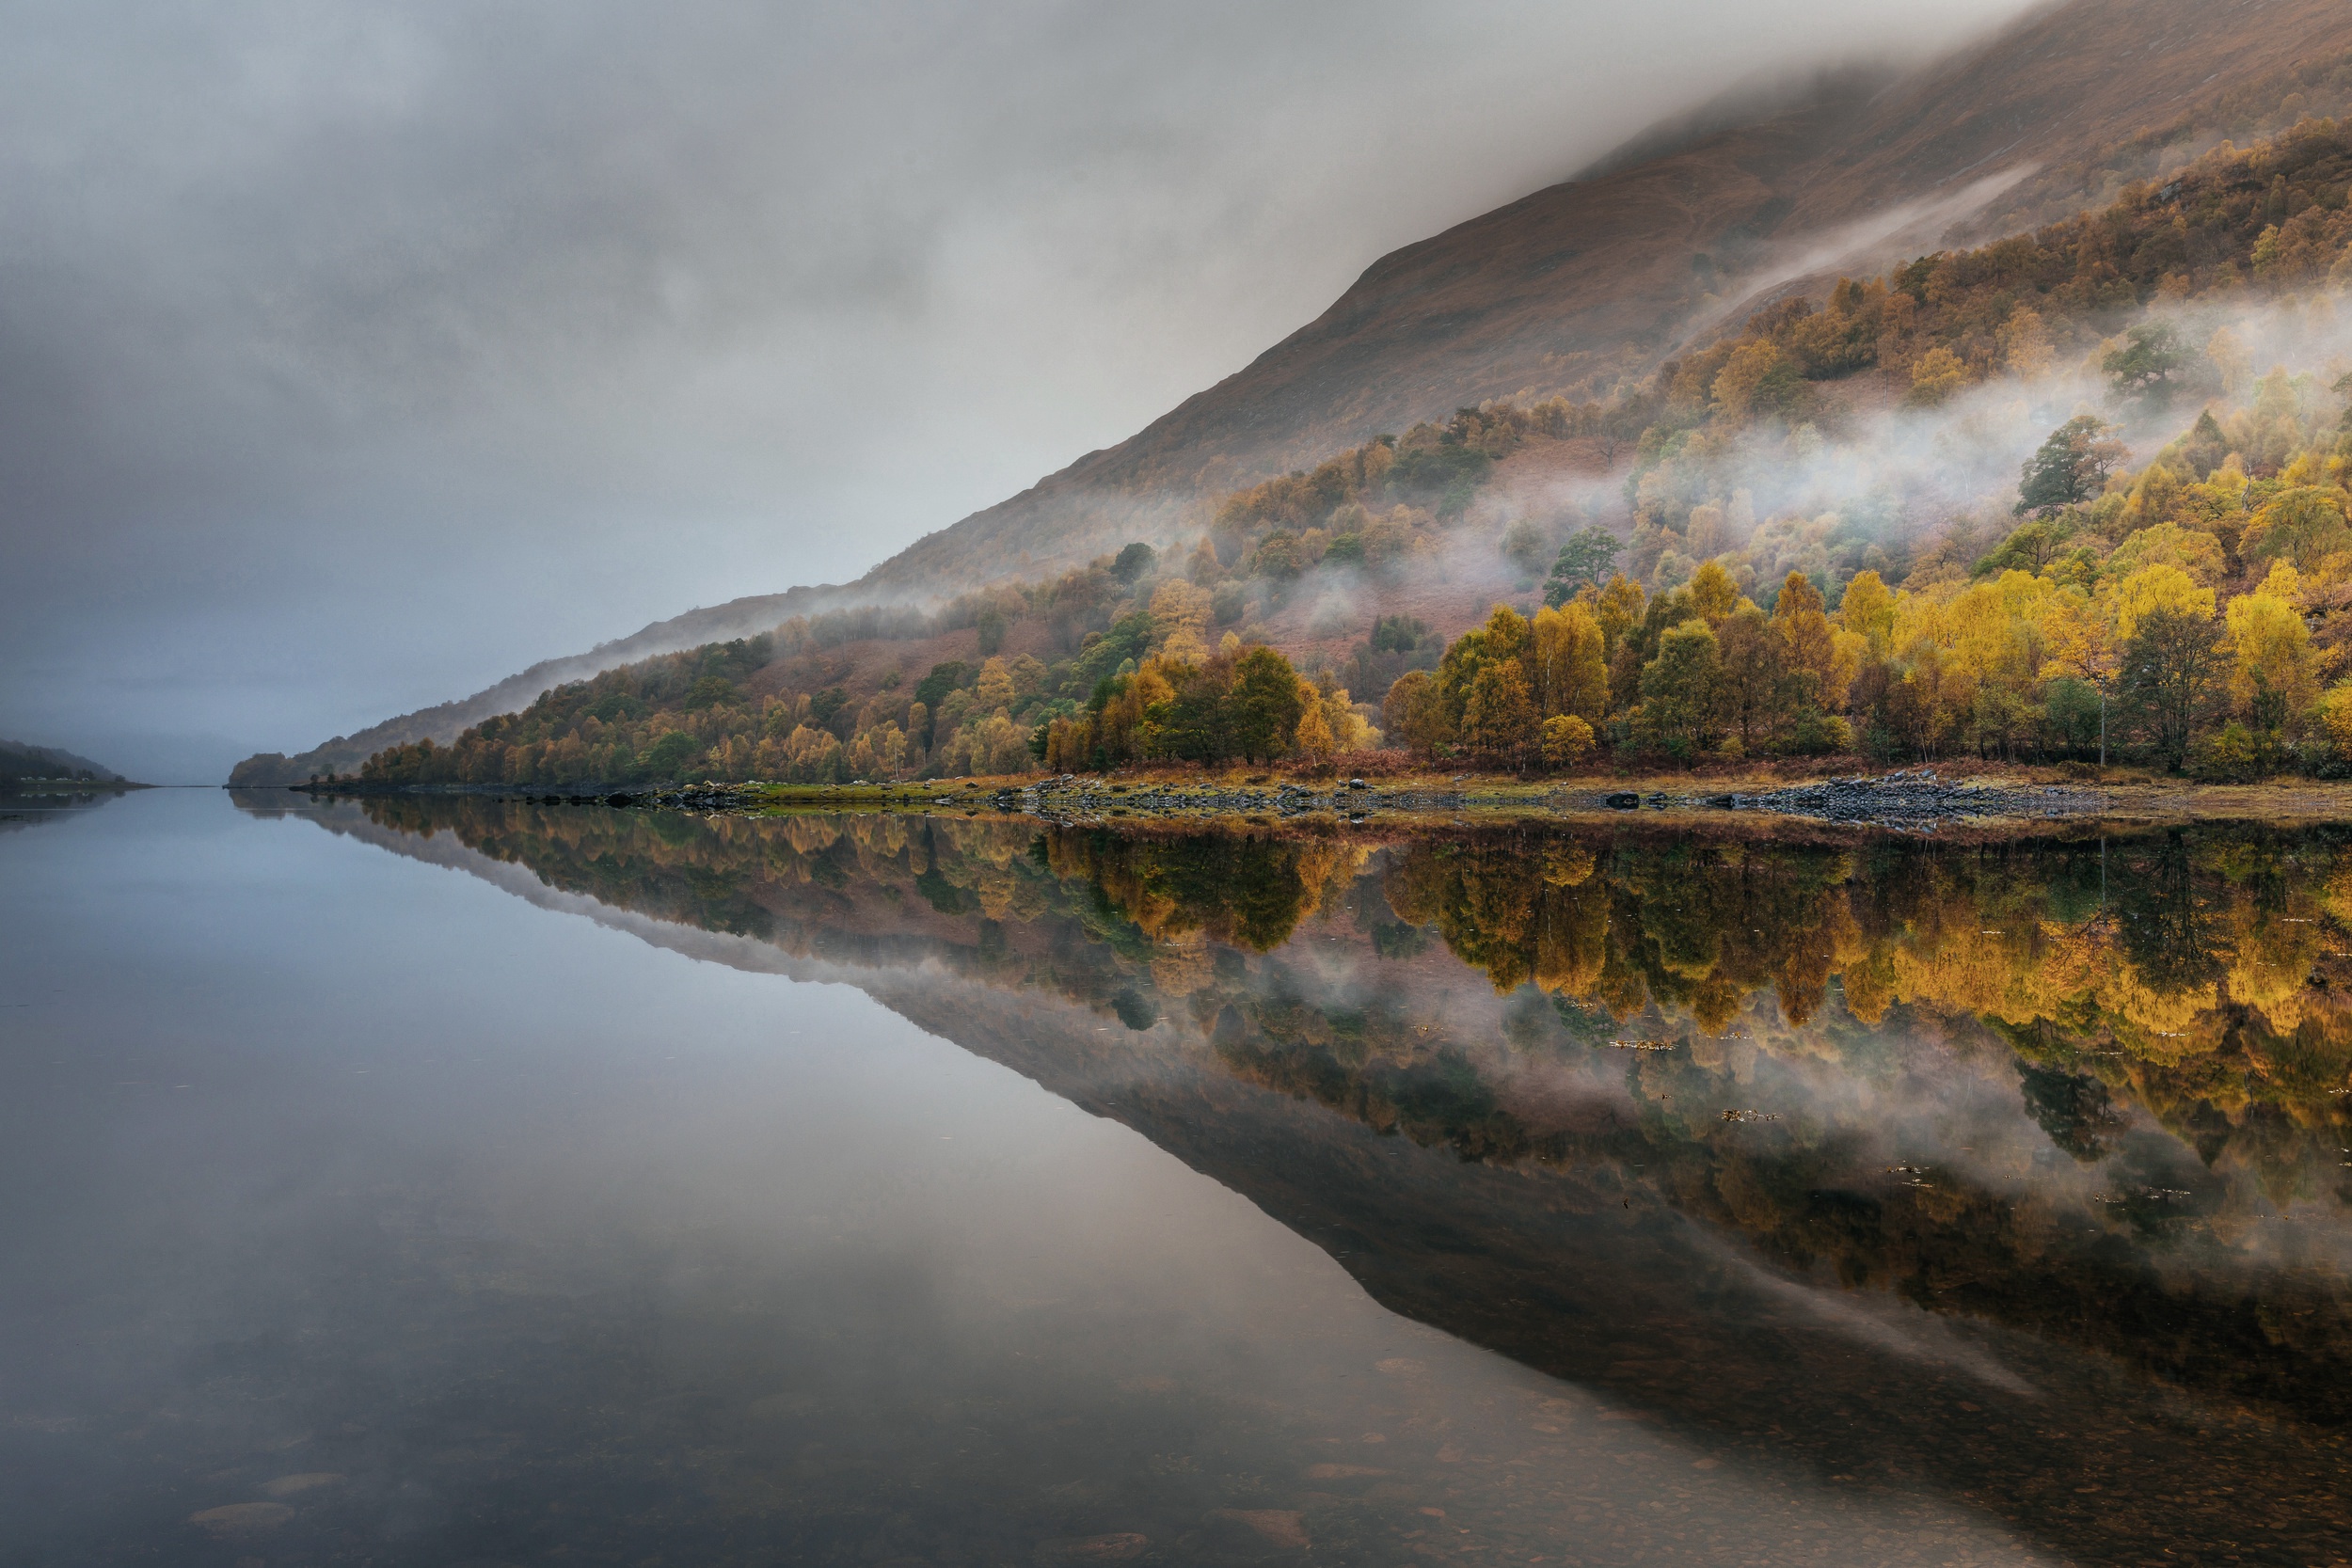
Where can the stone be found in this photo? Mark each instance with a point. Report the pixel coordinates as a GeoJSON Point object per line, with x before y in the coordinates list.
{"type": "Point", "coordinates": [287, 1486]}
{"type": "Point", "coordinates": [241, 1518]}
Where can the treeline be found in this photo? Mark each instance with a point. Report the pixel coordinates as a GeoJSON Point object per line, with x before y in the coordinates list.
{"type": "Point", "coordinates": [2269, 217]}
{"type": "Point", "coordinates": [1385, 506]}
{"type": "Point", "coordinates": [1245, 702]}
{"type": "Point", "coordinates": [2191, 613]}
{"type": "Point", "coordinates": [1147, 687]}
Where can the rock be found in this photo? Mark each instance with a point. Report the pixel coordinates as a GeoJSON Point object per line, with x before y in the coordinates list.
{"type": "Point", "coordinates": [1117, 1547]}
{"type": "Point", "coordinates": [1283, 1527]}
{"type": "Point", "coordinates": [241, 1518]}
{"type": "Point", "coordinates": [1623, 800]}
{"type": "Point", "coordinates": [286, 1486]}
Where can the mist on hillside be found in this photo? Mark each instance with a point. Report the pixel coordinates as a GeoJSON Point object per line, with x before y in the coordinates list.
{"type": "Point", "coordinates": [352, 365]}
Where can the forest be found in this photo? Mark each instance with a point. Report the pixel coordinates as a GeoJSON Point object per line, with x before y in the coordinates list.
{"type": "Point", "coordinates": [2186, 611]}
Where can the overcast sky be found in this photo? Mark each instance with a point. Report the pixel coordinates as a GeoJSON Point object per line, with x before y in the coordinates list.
{"type": "Point", "coordinates": [354, 357]}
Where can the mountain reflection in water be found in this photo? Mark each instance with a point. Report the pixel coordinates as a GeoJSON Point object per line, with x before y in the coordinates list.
{"type": "Point", "coordinates": [2016, 1173]}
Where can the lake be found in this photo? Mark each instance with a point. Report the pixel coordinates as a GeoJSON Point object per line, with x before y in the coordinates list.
{"type": "Point", "coordinates": [468, 1182]}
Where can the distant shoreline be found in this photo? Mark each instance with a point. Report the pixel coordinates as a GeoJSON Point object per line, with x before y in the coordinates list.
{"type": "Point", "coordinates": [70, 786]}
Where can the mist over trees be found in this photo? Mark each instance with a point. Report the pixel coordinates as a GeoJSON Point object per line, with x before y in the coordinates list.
{"type": "Point", "coordinates": [2189, 612]}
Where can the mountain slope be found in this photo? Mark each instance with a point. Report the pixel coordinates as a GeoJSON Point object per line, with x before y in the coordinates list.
{"type": "Point", "coordinates": [18, 760]}
{"type": "Point", "coordinates": [1566, 289]}
{"type": "Point", "coordinates": [1573, 287]}
{"type": "Point", "coordinates": [445, 721]}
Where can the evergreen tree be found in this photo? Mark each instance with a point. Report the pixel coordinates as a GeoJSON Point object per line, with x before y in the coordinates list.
{"type": "Point", "coordinates": [2070, 467]}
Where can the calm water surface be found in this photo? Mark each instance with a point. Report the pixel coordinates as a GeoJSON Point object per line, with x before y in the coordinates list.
{"type": "Point", "coordinates": [465, 1183]}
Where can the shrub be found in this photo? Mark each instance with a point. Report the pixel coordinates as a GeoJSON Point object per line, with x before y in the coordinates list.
{"type": "Point", "coordinates": [2227, 757]}
{"type": "Point", "coordinates": [1567, 740]}
{"type": "Point", "coordinates": [1819, 734]}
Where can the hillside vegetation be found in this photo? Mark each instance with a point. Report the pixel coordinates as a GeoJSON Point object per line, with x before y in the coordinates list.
{"type": "Point", "coordinates": [1578, 291]}
{"type": "Point", "coordinates": [2186, 610]}
{"type": "Point", "coordinates": [21, 763]}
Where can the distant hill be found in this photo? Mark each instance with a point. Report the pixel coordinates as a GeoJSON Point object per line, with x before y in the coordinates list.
{"type": "Point", "coordinates": [19, 761]}
{"type": "Point", "coordinates": [1585, 286]}
{"type": "Point", "coordinates": [444, 722]}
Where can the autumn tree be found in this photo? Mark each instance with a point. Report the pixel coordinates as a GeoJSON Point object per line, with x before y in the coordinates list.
{"type": "Point", "coordinates": [1820, 666]}
{"type": "Point", "coordinates": [1714, 594]}
{"type": "Point", "coordinates": [1681, 688]}
{"type": "Point", "coordinates": [2081, 654]}
{"type": "Point", "coordinates": [1567, 740]}
{"type": "Point", "coordinates": [1753, 696]}
{"type": "Point", "coordinates": [2024, 342]}
{"type": "Point", "coordinates": [2172, 667]}
{"type": "Point", "coordinates": [1758, 381]}
{"type": "Point", "coordinates": [2274, 668]}
{"type": "Point", "coordinates": [1566, 671]}
{"type": "Point", "coordinates": [1314, 740]}
{"type": "Point", "coordinates": [1266, 704]}
{"type": "Point", "coordinates": [2300, 525]}
{"type": "Point", "coordinates": [1867, 608]}
{"type": "Point", "coordinates": [1935, 376]}
{"type": "Point", "coordinates": [1414, 714]}
{"type": "Point", "coordinates": [1499, 719]}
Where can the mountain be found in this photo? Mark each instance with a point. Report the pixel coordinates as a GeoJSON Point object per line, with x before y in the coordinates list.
{"type": "Point", "coordinates": [1588, 284]}
{"type": "Point", "coordinates": [444, 722]}
{"type": "Point", "coordinates": [18, 760]}
{"type": "Point", "coordinates": [1569, 288]}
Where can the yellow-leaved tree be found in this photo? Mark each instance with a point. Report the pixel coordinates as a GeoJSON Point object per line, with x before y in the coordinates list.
{"type": "Point", "coordinates": [2274, 670]}
{"type": "Point", "coordinates": [1567, 665]}
{"type": "Point", "coordinates": [2149, 590]}
{"type": "Point", "coordinates": [2079, 642]}
{"type": "Point", "coordinates": [1314, 740]}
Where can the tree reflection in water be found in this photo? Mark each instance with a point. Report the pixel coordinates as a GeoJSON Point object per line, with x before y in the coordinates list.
{"type": "Point", "coordinates": [2084, 1095]}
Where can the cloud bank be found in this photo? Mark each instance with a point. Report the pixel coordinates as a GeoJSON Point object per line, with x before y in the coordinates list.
{"type": "Point", "coordinates": [350, 359]}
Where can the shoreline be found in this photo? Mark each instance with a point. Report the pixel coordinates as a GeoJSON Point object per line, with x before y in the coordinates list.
{"type": "Point", "coordinates": [1968, 796]}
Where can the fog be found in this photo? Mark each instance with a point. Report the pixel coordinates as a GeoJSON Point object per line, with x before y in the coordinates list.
{"type": "Point", "coordinates": [351, 360]}
{"type": "Point", "coordinates": [1915, 481]}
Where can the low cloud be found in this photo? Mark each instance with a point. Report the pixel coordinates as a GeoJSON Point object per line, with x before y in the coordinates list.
{"type": "Point", "coordinates": [350, 360]}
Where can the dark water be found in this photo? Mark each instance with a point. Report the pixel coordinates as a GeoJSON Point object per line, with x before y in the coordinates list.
{"type": "Point", "coordinates": [467, 1182]}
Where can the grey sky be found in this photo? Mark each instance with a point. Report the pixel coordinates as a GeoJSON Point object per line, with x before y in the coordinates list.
{"type": "Point", "coordinates": [354, 357]}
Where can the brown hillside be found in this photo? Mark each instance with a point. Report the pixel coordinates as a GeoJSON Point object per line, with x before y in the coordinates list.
{"type": "Point", "coordinates": [1568, 288]}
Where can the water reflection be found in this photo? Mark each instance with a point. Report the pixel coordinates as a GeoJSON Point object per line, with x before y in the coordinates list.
{"type": "Point", "coordinates": [361, 1211]}
{"type": "Point", "coordinates": [2014, 1173]}
{"type": "Point", "coordinates": [22, 808]}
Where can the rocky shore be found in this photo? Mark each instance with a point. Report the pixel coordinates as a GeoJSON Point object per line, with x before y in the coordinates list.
{"type": "Point", "coordinates": [1912, 800]}
{"type": "Point", "coordinates": [1905, 801]}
